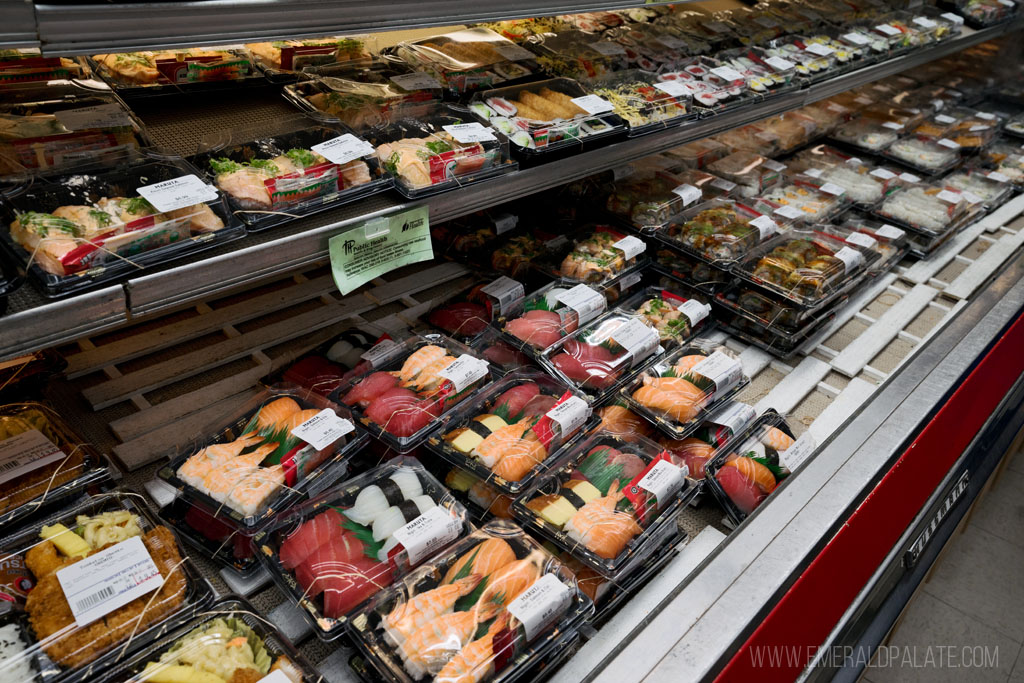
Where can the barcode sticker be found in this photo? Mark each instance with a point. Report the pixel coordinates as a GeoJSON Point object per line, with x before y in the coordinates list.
{"type": "Point", "coordinates": [851, 258]}
{"type": "Point", "coordinates": [540, 604]}
{"type": "Point", "coordinates": [765, 226]}
{"type": "Point", "coordinates": [507, 292]}
{"type": "Point", "coordinates": [955, 18]}
{"type": "Point", "coordinates": [727, 73]}
{"type": "Point", "coordinates": [514, 53]}
{"type": "Point", "coordinates": [664, 481]}
{"type": "Point", "coordinates": [833, 189]}
{"type": "Point", "coordinates": [946, 142]}
{"type": "Point", "coordinates": [628, 281]}
{"type": "Point", "coordinates": [735, 416]}
{"type": "Point", "coordinates": [464, 371]}
{"type": "Point", "coordinates": [100, 116]}
{"type": "Point", "coordinates": [862, 240]}
{"type": "Point", "coordinates": [674, 88]}
{"type": "Point", "coordinates": [381, 352]}
{"type": "Point", "coordinates": [416, 81]}
{"type": "Point", "coordinates": [428, 533]}
{"type": "Point", "coordinates": [725, 371]}
{"type": "Point", "coordinates": [780, 64]}
{"type": "Point", "coordinates": [100, 583]}
{"type": "Point", "coordinates": [694, 311]}
{"type": "Point", "coordinates": [794, 456]}
{"type": "Point", "coordinates": [945, 119]}
{"type": "Point", "coordinates": [343, 149]}
{"type": "Point", "coordinates": [592, 104]}
{"type": "Point", "coordinates": [688, 193]}
{"type": "Point", "coordinates": [468, 133]}
{"type": "Point", "coordinates": [819, 49]}
{"type": "Point", "coordinates": [723, 184]}
{"type": "Point", "coordinates": [887, 30]}
{"type": "Point", "coordinates": [25, 452]}
{"type": "Point", "coordinates": [910, 177]}
{"type": "Point", "coordinates": [323, 429]}
{"type": "Point", "coordinates": [630, 246]}
{"type": "Point", "coordinates": [639, 340]}
{"type": "Point", "coordinates": [177, 193]}
{"type": "Point", "coordinates": [949, 196]}
{"type": "Point", "coordinates": [890, 232]}
{"type": "Point", "coordinates": [789, 212]}
{"type": "Point", "coordinates": [883, 173]}
{"type": "Point", "coordinates": [608, 48]}
{"type": "Point", "coordinates": [856, 39]}
{"type": "Point", "coordinates": [585, 301]}
{"type": "Point", "coordinates": [570, 415]}
{"type": "Point", "coordinates": [998, 177]}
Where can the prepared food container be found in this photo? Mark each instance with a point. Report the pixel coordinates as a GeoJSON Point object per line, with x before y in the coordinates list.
{"type": "Point", "coordinates": [676, 317]}
{"type": "Point", "coordinates": [27, 65]}
{"type": "Point", "coordinates": [699, 153]}
{"type": "Point", "coordinates": [888, 240]}
{"type": "Point", "coordinates": [648, 200]}
{"type": "Point", "coordinates": [753, 173]}
{"type": "Point", "coordinates": [552, 312]}
{"type": "Point", "coordinates": [763, 72]}
{"type": "Point", "coordinates": [471, 311]}
{"type": "Point", "coordinates": [931, 210]}
{"type": "Point", "coordinates": [643, 101]}
{"type": "Point", "coordinates": [596, 257]}
{"type": "Point", "coordinates": [978, 184]}
{"type": "Point", "coordinates": [743, 315]}
{"type": "Point", "coordinates": [719, 232]}
{"type": "Point", "coordinates": [283, 61]}
{"type": "Point", "coordinates": [1008, 161]}
{"type": "Point", "coordinates": [927, 155]}
{"type": "Point", "coordinates": [802, 198]}
{"type": "Point", "coordinates": [715, 86]}
{"type": "Point", "coordinates": [681, 267]}
{"type": "Point", "coordinates": [187, 70]}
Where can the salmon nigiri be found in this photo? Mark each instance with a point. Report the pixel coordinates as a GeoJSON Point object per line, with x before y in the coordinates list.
{"type": "Point", "coordinates": [484, 559]}
{"type": "Point", "coordinates": [674, 397]}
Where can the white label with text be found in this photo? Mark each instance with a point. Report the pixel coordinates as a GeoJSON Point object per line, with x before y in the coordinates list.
{"type": "Point", "coordinates": [416, 81]}
{"type": "Point", "coordinates": [381, 352]}
{"type": "Point", "coordinates": [177, 193]}
{"type": "Point", "coordinates": [468, 133]}
{"type": "Point", "coordinates": [464, 371]}
{"type": "Point", "coordinates": [343, 149]}
{"type": "Point", "coordinates": [540, 604]}
{"type": "Point", "coordinates": [694, 311]}
{"type": "Point", "coordinates": [570, 414]}
{"type": "Point", "coordinates": [851, 258]}
{"type": "Point", "coordinates": [688, 193]}
{"type": "Point", "coordinates": [323, 429]}
{"type": "Point", "coordinates": [637, 338]}
{"type": "Point", "coordinates": [663, 481]}
{"type": "Point", "coordinates": [587, 303]}
{"type": "Point", "coordinates": [592, 104]}
{"type": "Point", "coordinates": [100, 116]}
{"type": "Point", "coordinates": [630, 246]}
{"type": "Point", "coordinates": [795, 455]}
{"type": "Point", "coordinates": [25, 452]}
{"type": "Point", "coordinates": [765, 226]}
{"type": "Point", "coordinates": [862, 240]}
{"type": "Point", "coordinates": [725, 371]}
{"type": "Point", "coordinates": [431, 531]}
{"type": "Point", "coordinates": [507, 292]}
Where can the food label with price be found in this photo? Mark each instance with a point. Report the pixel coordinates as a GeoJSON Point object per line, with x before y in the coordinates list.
{"type": "Point", "coordinates": [514, 53]}
{"type": "Point", "coordinates": [688, 193]}
{"type": "Point", "coordinates": [789, 212]}
{"type": "Point", "coordinates": [570, 414]}
{"type": "Point", "coordinates": [637, 338]}
{"type": "Point", "coordinates": [883, 173]}
{"type": "Point", "coordinates": [795, 455]}
{"type": "Point", "coordinates": [723, 184]}
{"type": "Point", "coordinates": [813, 172]}
{"type": "Point", "coordinates": [323, 429]}
{"type": "Point", "coordinates": [416, 81]}
{"type": "Point", "coordinates": [773, 165]}
{"type": "Point", "coordinates": [887, 30]}
{"type": "Point", "coordinates": [735, 416]}
{"type": "Point", "coordinates": [177, 193]}
{"type": "Point", "coordinates": [630, 246]}
{"type": "Point", "coordinates": [946, 142]}
{"type": "Point", "coordinates": [955, 18]}
{"type": "Point", "coordinates": [100, 116]}
{"type": "Point", "coordinates": [381, 352]}
{"type": "Point", "coordinates": [851, 258]}
{"type": "Point", "coordinates": [663, 481]}
{"type": "Point", "coordinates": [856, 39]}
{"type": "Point", "coordinates": [727, 73]}
{"type": "Point", "coordinates": [999, 177]}
{"type": "Point", "coordinates": [765, 226]}
{"type": "Point", "coordinates": [924, 22]}
{"type": "Point", "coordinates": [833, 189]}
{"type": "Point", "coordinates": [541, 604]}
{"type": "Point", "coordinates": [674, 88]}
{"type": "Point", "coordinates": [671, 42]}
{"type": "Point", "coordinates": [343, 149]}
{"type": "Point", "coordinates": [819, 49]}
{"type": "Point", "coordinates": [910, 177]}
{"type": "Point", "coordinates": [25, 452]}
{"type": "Point", "coordinates": [724, 371]}
{"type": "Point", "coordinates": [507, 292]}
{"type": "Point", "coordinates": [505, 222]}
{"type": "Point", "coordinates": [99, 584]}
{"type": "Point", "coordinates": [464, 371]}
{"type": "Point", "coordinates": [890, 232]}
{"type": "Point", "coordinates": [694, 311]}
{"type": "Point", "coordinates": [587, 303]}
{"type": "Point", "coordinates": [609, 49]}
{"type": "Point", "coordinates": [431, 531]}
{"type": "Point", "coordinates": [592, 104]}
{"type": "Point", "coordinates": [780, 64]}
{"type": "Point", "coordinates": [468, 133]}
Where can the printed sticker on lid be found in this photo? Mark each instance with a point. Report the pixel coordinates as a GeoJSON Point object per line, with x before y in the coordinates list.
{"type": "Point", "coordinates": [890, 232]}
{"type": "Point", "coordinates": [985, 115]}
{"type": "Point", "coordinates": [431, 531]}
{"type": "Point", "coordinates": [862, 240]}
{"type": "Point", "coordinates": [177, 193]}
{"type": "Point", "coordinates": [955, 18]}
{"type": "Point", "coordinates": [819, 49]}
{"type": "Point", "coordinates": [727, 73]}
{"type": "Point", "coordinates": [587, 303]}
{"type": "Point", "coordinates": [725, 371]}
{"type": "Point", "coordinates": [99, 116]}
{"type": "Point", "coordinates": [592, 104]}
{"type": "Point", "coordinates": [794, 456]}
{"type": "Point", "coordinates": [790, 212]}
{"type": "Point", "coordinates": [25, 452]}
{"type": "Point", "coordinates": [892, 125]}
{"type": "Point", "coordinates": [979, 128]}
{"type": "Point", "coordinates": [467, 133]}
{"type": "Point", "coordinates": [971, 197]}
{"type": "Point", "coordinates": [813, 172]}
{"type": "Point", "coordinates": [780, 64]}
{"type": "Point", "coordinates": [343, 149]}
{"type": "Point", "coordinates": [833, 189]}
{"type": "Point", "coordinates": [688, 193]}
{"type": "Point", "coordinates": [856, 39]}
{"type": "Point", "coordinates": [883, 173]}
{"type": "Point", "coordinates": [514, 53]}
{"type": "Point", "coordinates": [540, 604]}
{"type": "Point", "coordinates": [381, 352]}
{"type": "Point", "coordinates": [628, 281]}
{"type": "Point", "coordinates": [570, 414]}
{"type": "Point", "coordinates": [416, 81]}
{"type": "Point", "coordinates": [949, 196]}
{"type": "Point", "coordinates": [505, 222]}
{"type": "Point", "coordinates": [507, 292]}
{"type": "Point", "coordinates": [944, 119]}
{"type": "Point", "coordinates": [630, 246]}
{"type": "Point", "coordinates": [773, 165]}
{"type": "Point", "coordinates": [910, 177]}
{"type": "Point", "coordinates": [998, 177]}
{"type": "Point", "coordinates": [887, 30]}
{"type": "Point", "coordinates": [323, 429]}
{"type": "Point", "coordinates": [851, 258]}
{"type": "Point", "coordinates": [735, 416]}
{"type": "Point", "coordinates": [464, 371]}
{"type": "Point", "coordinates": [694, 310]}
{"type": "Point", "coordinates": [639, 340]}
{"type": "Point", "coordinates": [765, 226]}
{"type": "Point", "coordinates": [674, 88]}
{"type": "Point", "coordinates": [671, 42]}
{"type": "Point", "coordinates": [664, 481]}
{"type": "Point", "coordinates": [946, 142]}
{"type": "Point", "coordinates": [924, 22]}
{"type": "Point", "coordinates": [723, 184]}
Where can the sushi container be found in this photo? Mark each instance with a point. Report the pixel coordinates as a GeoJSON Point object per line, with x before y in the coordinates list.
{"type": "Point", "coordinates": [571, 54]}
{"type": "Point", "coordinates": [464, 237]}
{"type": "Point", "coordinates": [47, 128]}
{"type": "Point", "coordinates": [752, 138]}
{"type": "Point", "coordinates": [814, 59]}
{"type": "Point", "coordinates": [552, 312]}
{"type": "Point", "coordinates": [699, 153]}
{"type": "Point", "coordinates": [191, 70]}
{"type": "Point", "coordinates": [979, 184]}
{"type": "Point", "coordinates": [827, 115]}
{"type": "Point", "coordinates": [682, 268]}
{"type": "Point", "coordinates": [469, 60]}
{"type": "Point", "coordinates": [873, 46]}
{"type": "Point", "coordinates": [203, 646]}
{"type": "Point", "coordinates": [284, 61]}
{"type": "Point", "coordinates": [629, 491]}
{"type": "Point", "coordinates": [769, 311]}
{"type": "Point", "coordinates": [285, 444]}
{"type": "Point", "coordinates": [645, 103]}
{"type": "Point", "coordinates": [291, 167]}
{"type": "Point", "coordinates": [525, 410]}
{"type": "Point", "coordinates": [868, 134]}
{"type": "Point", "coordinates": [397, 511]}
{"type": "Point", "coordinates": [547, 116]}
{"type": "Point", "coordinates": [27, 66]}
{"type": "Point", "coordinates": [752, 172]}
{"type": "Point", "coordinates": [715, 86]}
{"type": "Point", "coordinates": [596, 257]}
{"type": "Point", "coordinates": [52, 641]}
{"type": "Point", "coordinates": [930, 210]}
{"type": "Point", "coordinates": [600, 357]}
{"type": "Point", "coordinates": [483, 502]}
{"type": "Point", "coordinates": [504, 357]}
{"type": "Point", "coordinates": [514, 604]}
{"type": "Point", "coordinates": [470, 312]}
{"type": "Point", "coordinates": [677, 318]}
{"type": "Point", "coordinates": [802, 198]}
{"type": "Point", "coordinates": [962, 126]}
{"type": "Point", "coordinates": [719, 232]}
{"type": "Point", "coordinates": [95, 199]}
{"type": "Point", "coordinates": [888, 240]}
{"type": "Point", "coordinates": [749, 468]}
{"type": "Point", "coordinates": [365, 95]}
{"type": "Point", "coordinates": [653, 48]}
{"type": "Point", "coordinates": [202, 529]}
{"type": "Point", "coordinates": [682, 388]}
{"type": "Point", "coordinates": [764, 73]}
{"type": "Point", "coordinates": [44, 462]}
{"type": "Point", "coordinates": [925, 155]}
{"type": "Point", "coordinates": [1008, 162]}
{"type": "Point", "coordinates": [865, 184]}
{"type": "Point", "coordinates": [1014, 126]}
{"type": "Point", "coordinates": [405, 398]}
{"type": "Point", "coordinates": [648, 200]}
{"type": "Point", "coordinates": [439, 150]}
{"type": "Point", "coordinates": [780, 342]}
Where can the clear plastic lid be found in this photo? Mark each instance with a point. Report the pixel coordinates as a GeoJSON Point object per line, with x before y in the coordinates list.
{"type": "Point", "coordinates": [334, 552]}
{"type": "Point", "coordinates": [813, 60]}
{"type": "Point", "coordinates": [285, 57]}
{"type": "Point", "coordinates": [888, 113]}
{"type": "Point", "coordinates": [467, 314]}
{"type": "Point", "coordinates": [714, 85]}
{"type": "Point", "coordinates": [750, 467]}
{"type": "Point", "coordinates": [438, 151]}
{"type": "Point", "coordinates": [481, 499]}
{"type": "Point", "coordinates": [617, 419]}
{"type": "Point", "coordinates": [753, 173]}
{"type": "Point", "coordinates": [802, 198]}
{"type": "Point", "coordinates": [972, 131]}
{"type": "Point", "coordinates": [781, 342]}
{"type": "Point", "coordinates": [85, 552]}
{"type": "Point", "coordinates": [793, 129]}
{"type": "Point", "coordinates": [862, 38]}
{"type": "Point", "coordinates": [753, 138]}
{"type": "Point", "coordinates": [679, 390]}
{"type": "Point", "coordinates": [504, 357]}
{"type": "Point", "coordinates": [1015, 125]}
{"type": "Point", "coordinates": [697, 450]}
{"type": "Point", "coordinates": [612, 504]}
{"type": "Point", "coordinates": [699, 153]}
{"type": "Point", "coordinates": [571, 54]}
{"type": "Point", "coordinates": [654, 48]}
{"type": "Point", "coordinates": [43, 461]}
{"type": "Point", "coordinates": [496, 601]}
{"type": "Point", "coordinates": [550, 313]}
{"type": "Point", "coordinates": [644, 102]}
{"type": "Point", "coordinates": [930, 209]}
{"type": "Point", "coordinates": [596, 257]}
{"type": "Point", "coordinates": [720, 231]}
{"type": "Point", "coordinates": [868, 134]}
{"type": "Point", "coordinates": [865, 184]}
{"type": "Point", "coordinates": [175, 69]}
{"type": "Point", "coordinates": [403, 400]}
{"type": "Point", "coordinates": [27, 65]}
{"type": "Point", "coordinates": [681, 267]}
{"type": "Point", "coordinates": [515, 429]}
{"type": "Point", "coordinates": [601, 356]}
{"type": "Point", "coordinates": [888, 240]}
{"type": "Point", "coordinates": [1007, 159]}
{"type": "Point", "coordinates": [676, 318]}
{"type": "Point", "coordinates": [650, 199]}
{"type": "Point", "coordinates": [201, 528]}
{"type": "Point", "coordinates": [925, 154]}
{"type": "Point", "coordinates": [976, 183]}
{"type": "Point", "coordinates": [763, 72]}
{"type": "Point", "coordinates": [284, 444]}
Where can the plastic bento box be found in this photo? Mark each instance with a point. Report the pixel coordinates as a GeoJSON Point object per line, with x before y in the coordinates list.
{"type": "Point", "coordinates": [378, 526]}
{"type": "Point", "coordinates": [53, 638]}
{"type": "Point", "coordinates": [699, 153]}
{"type": "Point", "coordinates": [654, 48]}
{"type": "Point", "coordinates": [405, 398]}
{"type": "Point", "coordinates": [719, 232]}
{"type": "Point", "coordinates": [471, 311]}
{"type": "Point", "coordinates": [932, 210]}
{"type": "Point", "coordinates": [59, 124]}
{"type": "Point", "coordinates": [888, 240]}
{"type": "Point", "coordinates": [802, 198]}
{"type": "Point", "coordinates": [27, 65]}
{"type": "Point", "coordinates": [753, 173]}
{"type": "Point", "coordinates": [753, 138]}
{"type": "Point", "coordinates": [690, 270]}
{"type": "Point", "coordinates": [515, 429]}
{"type": "Point", "coordinates": [678, 391]}
{"type": "Point", "coordinates": [202, 529]}
{"type": "Point", "coordinates": [199, 69]}
{"type": "Point", "coordinates": [283, 61]}
{"type": "Point", "coordinates": [596, 257]}
{"type": "Point", "coordinates": [644, 102]}
{"type": "Point", "coordinates": [676, 318]}
{"type": "Point", "coordinates": [546, 116]}
{"type": "Point", "coordinates": [777, 340]}
{"type": "Point", "coordinates": [611, 504]}
{"type": "Point", "coordinates": [514, 605]}
{"type": "Point", "coordinates": [292, 167]}
{"type": "Point", "coordinates": [439, 151]}
{"type": "Point", "coordinates": [1008, 160]}
{"type": "Point", "coordinates": [750, 467]}
{"type": "Point", "coordinates": [550, 313]}
{"type": "Point", "coordinates": [97, 223]}
{"type": "Point", "coordinates": [572, 54]}
{"type": "Point", "coordinates": [868, 134]}
{"type": "Point", "coordinates": [865, 183]}
{"type": "Point", "coordinates": [207, 645]}
{"type": "Point", "coordinates": [977, 182]}
{"type": "Point", "coordinates": [285, 444]}
{"type": "Point", "coordinates": [601, 356]}
{"type": "Point", "coordinates": [763, 72]}
{"type": "Point", "coordinates": [925, 154]}
{"type": "Point", "coordinates": [650, 199]}
{"type": "Point", "coordinates": [814, 60]}
{"type": "Point", "coordinates": [715, 86]}
{"type": "Point", "coordinates": [44, 462]}
{"type": "Point", "coordinates": [828, 115]}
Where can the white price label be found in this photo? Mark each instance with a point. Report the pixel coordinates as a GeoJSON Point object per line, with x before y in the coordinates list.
{"type": "Point", "coordinates": [628, 281]}
{"type": "Point", "coordinates": [592, 104]}
{"type": "Point", "coordinates": [630, 246]}
{"type": "Point", "coordinates": [883, 173]}
{"type": "Point", "coordinates": [469, 132]}
{"type": "Point", "coordinates": [972, 198]}
{"type": "Point", "coordinates": [944, 119]}
{"type": "Point", "coordinates": [694, 310]}
{"type": "Point", "coordinates": [100, 116]}
{"type": "Point", "coordinates": [609, 49]}
{"type": "Point", "coordinates": [587, 303]}
{"type": "Point", "coordinates": [819, 49]}
{"type": "Point", "coordinates": [99, 584]}
{"type": "Point", "coordinates": [998, 177]}
{"type": "Point", "coordinates": [892, 125]}
{"type": "Point", "coordinates": [416, 81]}
{"type": "Point", "coordinates": [664, 481]}
{"type": "Point", "coordinates": [725, 371]}
{"type": "Point", "coordinates": [570, 415]}
{"type": "Point", "coordinates": [540, 604]}
{"type": "Point", "coordinates": [813, 172]}
{"type": "Point", "coordinates": [765, 226]}
{"type": "Point", "coordinates": [507, 292]}
{"type": "Point", "coordinates": [851, 258]}
{"type": "Point", "coordinates": [671, 42]}
{"type": "Point", "coordinates": [428, 533]}
{"type": "Point", "coordinates": [795, 455]}
{"type": "Point", "coordinates": [888, 30]}
{"type": "Point", "coordinates": [890, 232]}
{"type": "Point", "coordinates": [789, 212]}
{"type": "Point", "coordinates": [343, 149]}
{"type": "Point", "coordinates": [985, 116]}
{"type": "Point", "coordinates": [177, 193]}
{"type": "Point", "coordinates": [949, 196]}
{"type": "Point", "coordinates": [833, 189]}
{"type": "Point", "coordinates": [464, 371]}
{"type": "Point", "coordinates": [727, 73]}
{"type": "Point", "coordinates": [955, 18]}
{"type": "Point", "coordinates": [639, 340]}
{"type": "Point", "coordinates": [723, 184]}
{"type": "Point", "coordinates": [674, 88]}
{"type": "Point", "coordinates": [946, 142]}
{"type": "Point", "coordinates": [780, 64]}
{"type": "Point", "coordinates": [514, 53]}
{"type": "Point", "coordinates": [924, 22]}
{"type": "Point", "coordinates": [688, 193]}
{"type": "Point", "coordinates": [862, 240]}
{"type": "Point", "coordinates": [323, 429]}
{"type": "Point", "coordinates": [910, 178]}
{"type": "Point", "coordinates": [856, 39]}
{"type": "Point", "coordinates": [979, 128]}
{"type": "Point", "coordinates": [1007, 3]}
{"type": "Point", "coordinates": [773, 165]}
{"type": "Point", "coordinates": [25, 452]}
{"type": "Point", "coordinates": [505, 222]}
{"type": "Point", "coordinates": [276, 676]}
{"type": "Point", "coordinates": [381, 352]}
{"type": "Point", "coordinates": [735, 416]}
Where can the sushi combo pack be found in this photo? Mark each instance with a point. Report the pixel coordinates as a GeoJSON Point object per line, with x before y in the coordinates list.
{"type": "Point", "coordinates": [332, 553]}
{"type": "Point", "coordinates": [643, 101]}
{"type": "Point", "coordinates": [720, 231]}
{"type": "Point", "coordinates": [596, 257]}
{"type": "Point", "coordinates": [468, 314]}
{"type": "Point", "coordinates": [649, 199]}
{"type": "Point", "coordinates": [135, 74]}
{"type": "Point", "coordinates": [552, 312]}
{"type": "Point", "coordinates": [675, 317]}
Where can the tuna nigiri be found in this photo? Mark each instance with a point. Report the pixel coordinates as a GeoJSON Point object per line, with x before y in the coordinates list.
{"type": "Point", "coordinates": [741, 490]}
{"type": "Point", "coordinates": [370, 388]}
{"type": "Point", "coordinates": [513, 401]}
{"type": "Point", "coordinates": [324, 529]}
{"type": "Point", "coordinates": [691, 452]}
{"type": "Point", "coordinates": [464, 319]}
{"type": "Point", "coordinates": [402, 412]}
{"type": "Point", "coordinates": [538, 328]}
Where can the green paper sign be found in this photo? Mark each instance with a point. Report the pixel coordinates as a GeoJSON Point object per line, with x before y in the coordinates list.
{"type": "Point", "coordinates": [380, 245]}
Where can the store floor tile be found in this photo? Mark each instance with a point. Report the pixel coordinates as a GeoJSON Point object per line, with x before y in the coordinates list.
{"type": "Point", "coordinates": [1001, 511]}
{"type": "Point", "coordinates": [1018, 669]}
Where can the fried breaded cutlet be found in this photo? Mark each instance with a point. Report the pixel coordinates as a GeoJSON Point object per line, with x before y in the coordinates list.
{"type": "Point", "coordinates": [246, 676]}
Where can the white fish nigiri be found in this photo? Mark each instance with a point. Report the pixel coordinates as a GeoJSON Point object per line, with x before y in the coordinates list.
{"type": "Point", "coordinates": [376, 499]}
{"type": "Point", "coordinates": [396, 516]}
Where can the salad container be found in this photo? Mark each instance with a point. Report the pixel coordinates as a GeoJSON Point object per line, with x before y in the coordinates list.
{"type": "Point", "coordinates": [675, 317]}
{"type": "Point", "coordinates": [513, 606]}
{"type": "Point", "coordinates": [190, 70]}
{"type": "Point", "coordinates": [284, 445]}
{"type": "Point", "coordinates": [516, 428]}
{"type": "Point", "coordinates": [642, 101]}
{"type": "Point", "coordinates": [379, 526]}
{"type": "Point", "coordinates": [753, 173]}
{"type": "Point", "coordinates": [719, 232]}
{"type": "Point", "coordinates": [612, 504]}
{"type": "Point", "coordinates": [924, 154]}
{"type": "Point", "coordinates": [596, 257]}
{"type": "Point", "coordinates": [283, 61]}
{"type": "Point", "coordinates": [53, 639]}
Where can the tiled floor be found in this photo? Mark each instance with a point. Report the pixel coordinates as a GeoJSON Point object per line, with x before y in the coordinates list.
{"type": "Point", "coordinates": [966, 623]}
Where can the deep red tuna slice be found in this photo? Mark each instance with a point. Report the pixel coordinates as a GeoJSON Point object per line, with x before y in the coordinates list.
{"type": "Point", "coordinates": [352, 583]}
{"type": "Point", "coordinates": [742, 491]}
{"type": "Point", "coordinates": [516, 398]}
{"type": "Point", "coordinates": [463, 318]}
{"type": "Point", "coordinates": [370, 388]}
{"type": "Point", "coordinates": [401, 412]}
{"type": "Point", "coordinates": [538, 333]}
{"type": "Point", "coordinates": [538, 405]}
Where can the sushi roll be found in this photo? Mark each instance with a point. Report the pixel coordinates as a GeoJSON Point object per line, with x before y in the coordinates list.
{"type": "Point", "coordinates": [481, 110]}
{"type": "Point", "coordinates": [466, 439]}
{"type": "Point", "coordinates": [558, 508]}
{"type": "Point", "coordinates": [523, 139]}
{"type": "Point", "coordinates": [502, 124]}
{"type": "Point", "coordinates": [397, 516]}
{"type": "Point", "coordinates": [502, 106]}
{"type": "Point", "coordinates": [374, 501]}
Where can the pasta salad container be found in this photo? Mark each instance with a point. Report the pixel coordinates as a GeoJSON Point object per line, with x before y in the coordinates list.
{"type": "Point", "coordinates": [547, 116]}
{"type": "Point", "coordinates": [496, 600]}
{"type": "Point", "coordinates": [440, 150]}
{"type": "Point", "coordinates": [677, 318]}
{"type": "Point", "coordinates": [719, 232]}
{"type": "Point", "coordinates": [284, 445]}
{"type": "Point", "coordinates": [379, 526]}
{"type": "Point", "coordinates": [679, 390]}
{"type": "Point", "coordinates": [714, 85]}
{"type": "Point", "coordinates": [600, 357]}
{"type": "Point", "coordinates": [888, 240]}
{"type": "Point", "coordinates": [44, 462]}
{"type": "Point", "coordinates": [80, 616]}
{"type": "Point", "coordinates": [284, 61]}
{"type": "Point", "coordinates": [802, 198]}
{"type": "Point", "coordinates": [404, 398]}
{"type": "Point", "coordinates": [752, 172]}
{"type": "Point", "coordinates": [643, 101]}
{"type": "Point", "coordinates": [207, 644]}
{"type": "Point", "coordinates": [649, 199]}
{"type": "Point", "coordinates": [979, 184]}
{"type": "Point", "coordinates": [293, 167]}
{"type": "Point", "coordinates": [777, 340]}
{"type": "Point", "coordinates": [514, 431]}
{"type": "Point", "coordinates": [751, 466]}
{"type": "Point", "coordinates": [930, 210]}
{"type": "Point", "coordinates": [925, 155]}
{"type": "Point", "coordinates": [611, 504]}
{"type": "Point", "coordinates": [99, 222]}
{"type": "Point", "coordinates": [596, 257]}
{"type": "Point", "coordinates": [188, 70]}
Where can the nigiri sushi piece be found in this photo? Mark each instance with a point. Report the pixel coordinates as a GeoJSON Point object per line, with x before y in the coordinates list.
{"type": "Point", "coordinates": [539, 328]}
{"type": "Point", "coordinates": [476, 661]}
{"type": "Point", "coordinates": [416, 612]}
{"type": "Point", "coordinates": [558, 508]}
{"type": "Point", "coordinates": [505, 585]}
{"type": "Point", "coordinates": [273, 416]}
{"type": "Point", "coordinates": [605, 465]}
{"type": "Point", "coordinates": [513, 401]}
{"type": "Point", "coordinates": [323, 529]}
{"type": "Point", "coordinates": [466, 439]}
{"type": "Point", "coordinates": [742, 491]}
{"type": "Point", "coordinates": [464, 318]}
{"type": "Point", "coordinates": [418, 360]}
{"type": "Point", "coordinates": [249, 494]}
{"type": "Point", "coordinates": [370, 388]}
{"type": "Point", "coordinates": [538, 405]}
{"type": "Point", "coordinates": [777, 439]}
{"type": "Point", "coordinates": [374, 500]}
{"type": "Point", "coordinates": [402, 412]}
{"type": "Point", "coordinates": [674, 397]}
{"type": "Point", "coordinates": [623, 422]}
{"type": "Point", "coordinates": [691, 452]}
{"type": "Point", "coordinates": [601, 528]}
{"type": "Point", "coordinates": [483, 559]}
{"type": "Point", "coordinates": [430, 647]}
{"type": "Point", "coordinates": [512, 451]}
{"type": "Point", "coordinates": [399, 515]}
